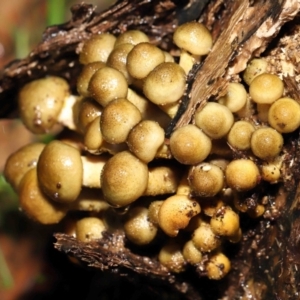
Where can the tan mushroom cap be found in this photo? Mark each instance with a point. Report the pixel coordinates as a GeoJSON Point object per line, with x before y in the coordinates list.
{"type": "Point", "coordinates": [193, 37]}
{"type": "Point", "coordinates": [189, 145]}
{"type": "Point", "coordinates": [132, 37]}
{"type": "Point", "coordinates": [266, 143]}
{"type": "Point", "coordinates": [89, 229]}
{"type": "Point", "coordinates": [242, 174]}
{"type": "Point", "coordinates": [117, 119]}
{"type": "Point", "coordinates": [20, 162]}
{"type": "Point", "coordinates": [266, 88]}
{"type": "Point", "coordinates": [97, 48]}
{"type": "Point", "coordinates": [254, 68]}
{"type": "Point", "coordinates": [138, 228]}
{"type": "Point", "coordinates": [214, 119]}
{"type": "Point", "coordinates": [60, 171]}
{"type": "Point", "coordinates": [206, 180]}
{"type": "Point", "coordinates": [191, 254]}
{"type": "Point", "coordinates": [40, 102]}
{"type": "Point", "coordinates": [284, 115]}
{"type": "Point", "coordinates": [107, 84]}
{"type": "Point", "coordinates": [145, 139]}
{"type": "Point", "coordinates": [36, 204]}
{"type": "Point", "coordinates": [175, 213]}
{"type": "Point", "coordinates": [142, 59]}
{"type": "Point", "coordinates": [217, 266]}
{"type": "Point", "coordinates": [123, 179]}
{"type": "Point", "coordinates": [85, 76]}
{"type": "Point", "coordinates": [165, 84]}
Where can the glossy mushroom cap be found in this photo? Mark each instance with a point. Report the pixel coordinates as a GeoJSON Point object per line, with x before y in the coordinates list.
{"type": "Point", "coordinates": [124, 179]}
{"type": "Point", "coordinates": [60, 171]}
{"type": "Point", "coordinates": [40, 102]}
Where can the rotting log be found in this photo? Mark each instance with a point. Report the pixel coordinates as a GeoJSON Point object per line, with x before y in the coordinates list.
{"type": "Point", "coordinates": [266, 262]}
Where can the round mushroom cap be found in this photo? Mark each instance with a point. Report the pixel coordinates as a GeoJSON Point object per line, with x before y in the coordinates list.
{"type": "Point", "coordinates": [145, 139]}
{"type": "Point", "coordinates": [193, 37]}
{"type": "Point", "coordinates": [117, 119]}
{"type": "Point", "coordinates": [60, 171]}
{"type": "Point", "coordinates": [266, 143]}
{"type": "Point", "coordinates": [118, 60]}
{"type": "Point", "coordinates": [85, 76]}
{"type": "Point", "coordinates": [142, 59]}
{"type": "Point", "coordinates": [138, 228]}
{"type": "Point", "coordinates": [165, 84]}
{"type": "Point", "coordinates": [40, 102]}
{"type": "Point", "coordinates": [190, 253]}
{"type": "Point", "coordinates": [97, 48]}
{"type": "Point", "coordinates": [107, 84]}
{"type": "Point", "coordinates": [205, 179]}
{"type": "Point", "coordinates": [284, 115]}
{"type": "Point", "coordinates": [217, 266]}
{"type": "Point", "coordinates": [132, 37]}
{"type": "Point", "coordinates": [20, 162]}
{"type": "Point", "coordinates": [266, 88]}
{"type": "Point", "coordinates": [254, 68]}
{"type": "Point", "coordinates": [36, 204]}
{"type": "Point", "coordinates": [240, 134]}
{"type": "Point", "coordinates": [214, 119]}
{"type": "Point", "coordinates": [242, 174]}
{"type": "Point", "coordinates": [124, 179]}
{"type": "Point", "coordinates": [189, 145]}
{"type": "Point", "coordinates": [89, 229]}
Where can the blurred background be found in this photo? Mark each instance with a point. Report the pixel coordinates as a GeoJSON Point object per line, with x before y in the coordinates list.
{"type": "Point", "coordinates": [29, 266]}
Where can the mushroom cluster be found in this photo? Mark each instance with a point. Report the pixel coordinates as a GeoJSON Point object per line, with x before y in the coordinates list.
{"type": "Point", "coordinates": [185, 194]}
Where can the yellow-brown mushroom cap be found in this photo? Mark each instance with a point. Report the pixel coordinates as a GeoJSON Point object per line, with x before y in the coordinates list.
{"type": "Point", "coordinates": [124, 179]}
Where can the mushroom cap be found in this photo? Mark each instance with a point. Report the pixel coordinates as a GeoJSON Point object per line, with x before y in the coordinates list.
{"type": "Point", "coordinates": [165, 84]}
{"type": "Point", "coordinates": [189, 145]}
{"type": "Point", "coordinates": [242, 174]}
{"type": "Point", "coordinates": [36, 204]}
{"type": "Point", "coordinates": [40, 102]}
{"type": "Point", "coordinates": [107, 84]}
{"type": "Point", "coordinates": [266, 88]}
{"type": "Point", "coordinates": [145, 139]}
{"type": "Point", "coordinates": [146, 55]}
{"type": "Point", "coordinates": [97, 48]}
{"type": "Point", "coordinates": [214, 119]}
{"type": "Point", "coordinates": [20, 162]}
{"type": "Point", "coordinates": [193, 37]}
{"type": "Point", "coordinates": [266, 143]}
{"type": "Point", "coordinates": [284, 115]}
{"type": "Point", "coordinates": [124, 179]}
{"type": "Point", "coordinates": [240, 134]}
{"type": "Point", "coordinates": [85, 76]}
{"type": "Point", "coordinates": [190, 253]}
{"type": "Point", "coordinates": [254, 68]}
{"type": "Point", "coordinates": [138, 228]}
{"type": "Point", "coordinates": [89, 229]}
{"type": "Point", "coordinates": [132, 37]}
{"type": "Point", "coordinates": [118, 59]}
{"type": "Point", "coordinates": [117, 119]}
{"type": "Point", "coordinates": [93, 139]}
{"type": "Point", "coordinates": [60, 171]}
{"type": "Point", "coordinates": [176, 212]}
{"type": "Point", "coordinates": [217, 266]}
{"type": "Point", "coordinates": [206, 180]}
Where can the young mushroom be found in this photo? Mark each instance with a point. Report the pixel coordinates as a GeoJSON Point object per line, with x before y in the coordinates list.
{"type": "Point", "coordinates": [89, 229]}
{"type": "Point", "coordinates": [44, 102]}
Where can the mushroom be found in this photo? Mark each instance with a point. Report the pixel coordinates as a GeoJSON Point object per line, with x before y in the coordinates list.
{"type": "Point", "coordinates": [145, 139]}
{"type": "Point", "coordinates": [132, 37]}
{"type": "Point", "coordinates": [89, 229]}
{"type": "Point", "coordinates": [117, 119]}
{"type": "Point", "coordinates": [191, 254]}
{"type": "Point", "coordinates": [255, 67]}
{"type": "Point", "coordinates": [146, 55]}
{"type": "Point", "coordinates": [214, 119]}
{"type": "Point", "coordinates": [189, 145]}
{"type": "Point", "coordinates": [36, 204]}
{"type": "Point", "coordinates": [165, 84]}
{"type": "Point", "coordinates": [106, 85]}
{"type": "Point", "coordinates": [284, 115]}
{"type": "Point", "coordinates": [266, 88]}
{"type": "Point", "coordinates": [217, 266]}
{"type": "Point", "coordinates": [97, 48]}
{"type": "Point", "coordinates": [44, 102]}
{"type": "Point", "coordinates": [20, 162]}
{"type": "Point", "coordinates": [194, 38]}
{"type": "Point", "coordinates": [62, 171]}
{"type": "Point", "coordinates": [242, 174]}
{"type": "Point", "coordinates": [138, 228]}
